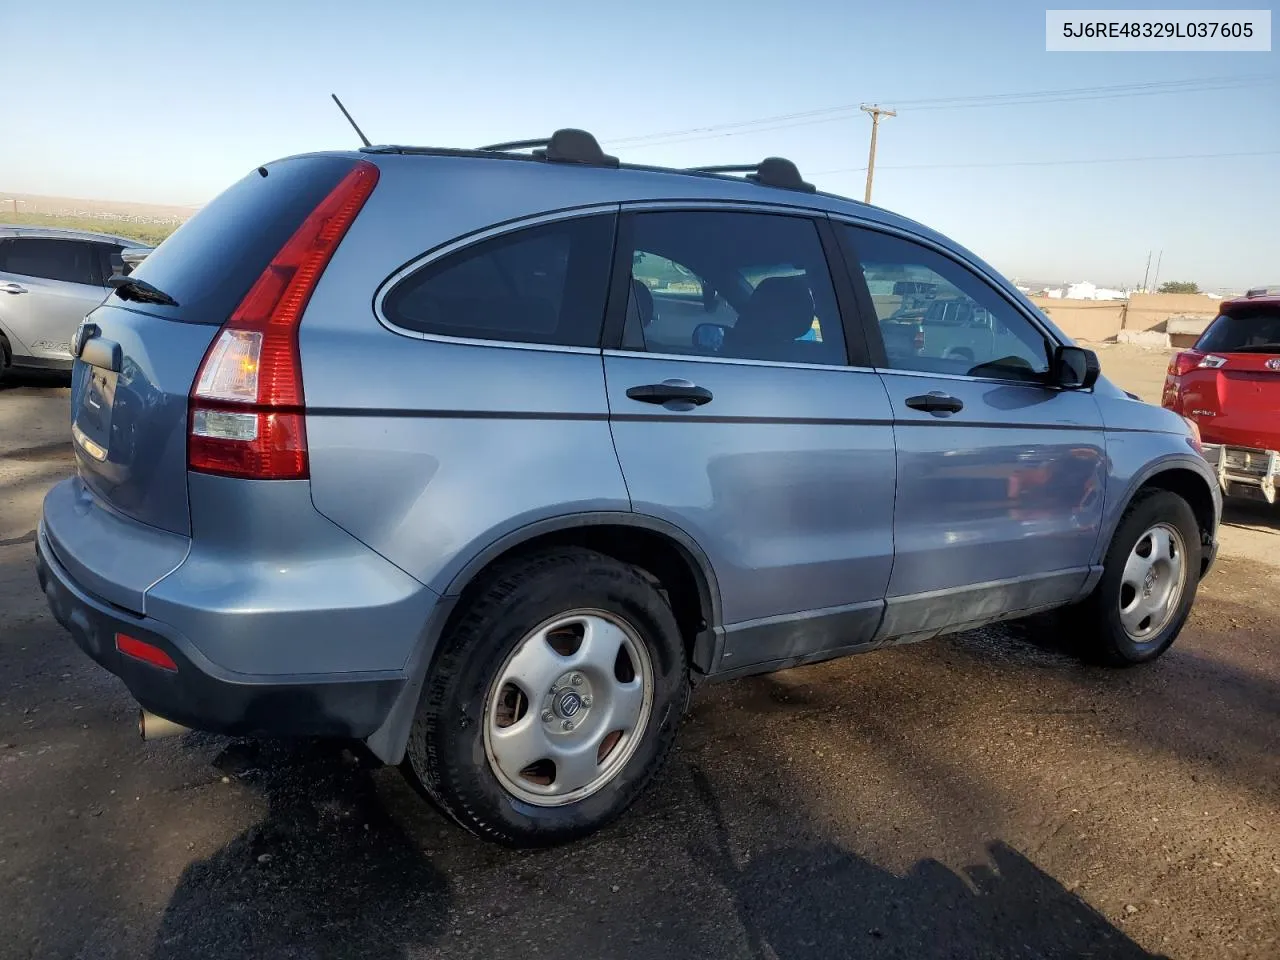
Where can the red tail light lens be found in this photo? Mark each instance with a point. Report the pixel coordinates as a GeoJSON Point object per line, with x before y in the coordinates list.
{"type": "Point", "coordinates": [247, 414]}
{"type": "Point", "coordinates": [1184, 362]}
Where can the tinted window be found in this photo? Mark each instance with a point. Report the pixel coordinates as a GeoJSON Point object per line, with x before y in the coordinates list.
{"type": "Point", "coordinates": [938, 317]}
{"type": "Point", "coordinates": [1245, 331]}
{"type": "Point", "coordinates": [73, 261]}
{"type": "Point", "coordinates": [212, 260]}
{"type": "Point", "coordinates": [736, 285]}
{"type": "Point", "coordinates": [543, 284]}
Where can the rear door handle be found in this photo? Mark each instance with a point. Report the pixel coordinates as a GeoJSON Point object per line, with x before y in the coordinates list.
{"type": "Point", "coordinates": [936, 402]}
{"type": "Point", "coordinates": [680, 391]}
{"type": "Point", "coordinates": [13, 288]}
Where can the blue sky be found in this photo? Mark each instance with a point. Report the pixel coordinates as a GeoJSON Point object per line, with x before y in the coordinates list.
{"type": "Point", "coordinates": [169, 102]}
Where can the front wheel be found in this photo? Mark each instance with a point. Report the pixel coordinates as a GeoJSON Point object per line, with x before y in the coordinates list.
{"type": "Point", "coordinates": [1149, 581]}
{"type": "Point", "coordinates": [553, 702]}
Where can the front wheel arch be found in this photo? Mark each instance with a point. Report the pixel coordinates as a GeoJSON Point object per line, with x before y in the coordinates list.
{"type": "Point", "coordinates": [1177, 476]}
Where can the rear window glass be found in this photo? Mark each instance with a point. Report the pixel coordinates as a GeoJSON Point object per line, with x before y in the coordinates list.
{"type": "Point", "coordinates": [1248, 331]}
{"type": "Point", "coordinates": [544, 284]}
{"type": "Point", "coordinates": [212, 260]}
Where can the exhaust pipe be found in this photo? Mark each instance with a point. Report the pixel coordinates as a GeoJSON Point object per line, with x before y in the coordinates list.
{"type": "Point", "coordinates": [152, 727]}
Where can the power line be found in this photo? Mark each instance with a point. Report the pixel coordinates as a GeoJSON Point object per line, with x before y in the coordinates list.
{"type": "Point", "coordinates": [784, 121]}
{"type": "Point", "coordinates": [1054, 163]}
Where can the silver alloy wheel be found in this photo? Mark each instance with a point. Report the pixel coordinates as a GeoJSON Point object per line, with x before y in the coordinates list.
{"type": "Point", "coordinates": [1154, 577]}
{"type": "Point", "coordinates": [568, 707]}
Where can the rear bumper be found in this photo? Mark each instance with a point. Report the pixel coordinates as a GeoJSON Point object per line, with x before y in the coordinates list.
{"type": "Point", "coordinates": [1245, 472]}
{"type": "Point", "coordinates": [195, 695]}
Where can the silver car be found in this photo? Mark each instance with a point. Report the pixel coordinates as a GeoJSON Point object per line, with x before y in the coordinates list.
{"type": "Point", "coordinates": [49, 280]}
{"type": "Point", "coordinates": [486, 457]}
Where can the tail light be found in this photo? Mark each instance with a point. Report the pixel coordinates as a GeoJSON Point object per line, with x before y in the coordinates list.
{"type": "Point", "coordinates": [1188, 360]}
{"type": "Point", "coordinates": [1183, 363]}
{"type": "Point", "coordinates": [247, 414]}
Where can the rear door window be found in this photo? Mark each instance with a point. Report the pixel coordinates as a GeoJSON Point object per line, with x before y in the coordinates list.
{"type": "Point", "coordinates": [544, 284]}
{"type": "Point", "coordinates": [735, 285]}
{"type": "Point", "coordinates": [70, 261]}
{"type": "Point", "coordinates": [1245, 331]}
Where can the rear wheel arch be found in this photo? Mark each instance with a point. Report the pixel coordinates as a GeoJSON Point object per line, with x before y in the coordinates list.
{"type": "Point", "coordinates": [660, 550]}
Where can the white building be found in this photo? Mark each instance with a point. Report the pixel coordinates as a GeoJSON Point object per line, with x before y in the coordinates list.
{"type": "Point", "coordinates": [1084, 290]}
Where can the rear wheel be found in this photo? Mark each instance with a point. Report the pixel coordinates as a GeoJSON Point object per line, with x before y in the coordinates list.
{"type": "Point", "coordinates": [6, 357]}
{"type": "Point", "coordinates": [554, 700]}
{"type": "Point", "coordinates": [1149, 581]}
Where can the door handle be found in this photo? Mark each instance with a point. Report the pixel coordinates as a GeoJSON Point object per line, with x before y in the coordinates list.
{"type": "Point", "coordinates": [13, 288]}
{"type": "Point", "coordinates": [668, 390]}
{"type": "Point", "coordinates": [936, 402]}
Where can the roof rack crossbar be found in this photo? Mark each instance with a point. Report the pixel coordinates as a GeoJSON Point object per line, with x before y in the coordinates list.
{"type": "Point", "coordinates": [563, 146]}
{"type": "Point", "coordinates": [771, 172]}
{"type": "Point", "coordinates": [516, 145]}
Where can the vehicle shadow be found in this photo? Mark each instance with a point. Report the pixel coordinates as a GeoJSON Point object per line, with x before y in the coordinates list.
{"type": "Point", "coordinates": [821, 901]}
{"type": "Point", "coordinates": [1250, 515]}
{"type": "Point", "coordinates": [37, 379]}
{"type": "Point", "coordinates": [326, 872]}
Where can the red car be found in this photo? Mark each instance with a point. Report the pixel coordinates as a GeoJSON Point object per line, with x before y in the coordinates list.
{"type": "Point", "coordinates": [1229, 385]}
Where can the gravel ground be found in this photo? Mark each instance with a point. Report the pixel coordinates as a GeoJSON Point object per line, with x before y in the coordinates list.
{"type": "Point", "coordinates": [980, 796]}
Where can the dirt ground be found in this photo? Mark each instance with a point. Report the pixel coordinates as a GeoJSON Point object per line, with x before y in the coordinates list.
{"type": "Point", "coordinates": [986, 795]}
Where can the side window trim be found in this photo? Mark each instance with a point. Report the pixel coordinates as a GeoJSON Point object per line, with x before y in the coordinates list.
{"type": "Point", "coordinates": [461, 243]}
{"type": "Point", "coordinates": [866, 306]}
{"type": "Point", "coordinates": [857, 355]}
{"type": "Point", "coordinates": [857, 344]}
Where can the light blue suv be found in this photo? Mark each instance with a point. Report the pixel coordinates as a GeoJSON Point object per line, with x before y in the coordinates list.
{"type": "Point", "coordinates": [485, 457]}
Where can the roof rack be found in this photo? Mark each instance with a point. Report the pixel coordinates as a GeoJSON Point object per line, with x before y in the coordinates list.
{"type": "Point", "coordinates": [570, 145]}
{"type": "Point", "coordinates": [564, 146]}
{"type": "Point", "coordinates": [771, 172]}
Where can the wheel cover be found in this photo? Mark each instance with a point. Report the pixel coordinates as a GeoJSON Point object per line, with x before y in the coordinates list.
{"type": "Point", "coordinates": [1154, 578]}
{"type": "Point", "coordinates": [568, 707]}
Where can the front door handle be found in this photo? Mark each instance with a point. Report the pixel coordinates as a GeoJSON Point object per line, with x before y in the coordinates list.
{"type": "Point", "coordinates": [13, 288]}
{"type": "Point", "coordinates": [680, 391]}
{"type": "Point", "coordinates": [936, 402]}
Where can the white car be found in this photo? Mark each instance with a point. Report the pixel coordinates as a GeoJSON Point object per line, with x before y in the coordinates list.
{"type": "Point", "coordinates": [49, 280]}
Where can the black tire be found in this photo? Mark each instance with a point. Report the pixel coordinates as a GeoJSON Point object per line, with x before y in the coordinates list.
{"type": "Point", "coordinates": [6, 358]}
{"type": "Point", "coordinates": [1096, 622]}
{"type": "Point", "coordinates": [446, 755]}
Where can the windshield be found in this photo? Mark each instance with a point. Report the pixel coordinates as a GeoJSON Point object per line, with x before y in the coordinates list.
{"type": "Point", "coordinates": [1257, 331]}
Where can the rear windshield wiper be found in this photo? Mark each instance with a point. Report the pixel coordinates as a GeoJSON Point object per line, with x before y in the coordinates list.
{"type": "Point", "coordinates": [131, 288]}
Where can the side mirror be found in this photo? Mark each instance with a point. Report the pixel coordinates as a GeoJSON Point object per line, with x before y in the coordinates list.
{"type": "Point", "coordinates": [1075, 368]}
{"type": "Point", "coordinates": [708, 337]}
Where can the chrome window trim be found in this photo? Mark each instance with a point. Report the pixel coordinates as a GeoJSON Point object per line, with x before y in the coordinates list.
{"type": "Point", "coordinates": [736, 361]}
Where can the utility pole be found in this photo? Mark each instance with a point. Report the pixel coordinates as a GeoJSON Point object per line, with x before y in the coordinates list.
{"type": "Point", "coordinates": [876, 112]}
{"type": "Point", "coordinates": [1146, 273]}
{"type": "Point", "coordinates": [1156, 279]}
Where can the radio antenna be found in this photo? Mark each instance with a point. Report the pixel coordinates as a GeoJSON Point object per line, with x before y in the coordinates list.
{"type": "Point", "coordinates": [355, 126]}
